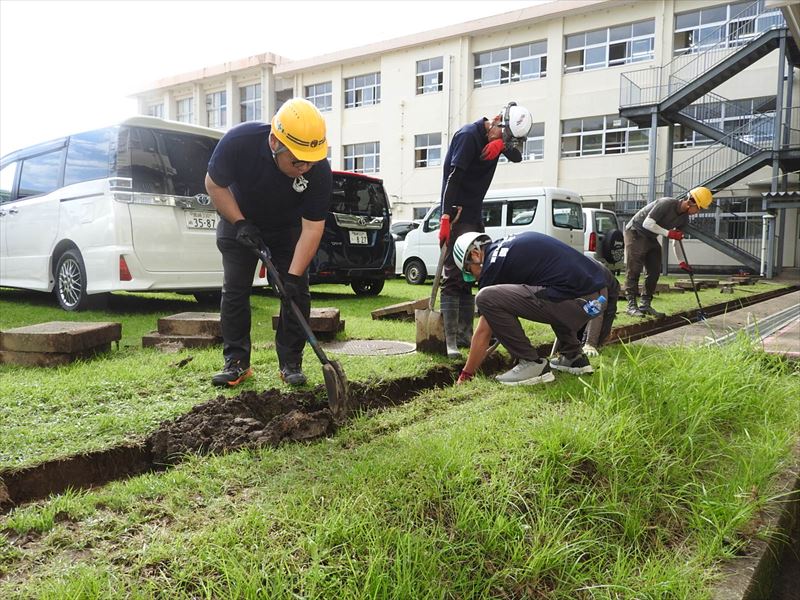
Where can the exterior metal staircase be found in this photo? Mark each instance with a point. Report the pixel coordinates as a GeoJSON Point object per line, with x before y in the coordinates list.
{"type": "Point", "coordinates": [680, 93]}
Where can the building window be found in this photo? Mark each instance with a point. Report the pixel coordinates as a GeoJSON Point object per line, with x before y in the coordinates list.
{"type": "Point", "coordinates": [430, 75]}
{"type": "Point", "coordinates": [217, 109]}
{"type": "Point", "coordinates": [595, 136]}
{"type": "Point", "coordinates": [184, 111]}
{"type": "Point", "coordinates": [751, 118]}
{"type": "Point", "coordinates": [250, 102]}
{"type": "Point", "coordinates": [619, 45]}
{"type": "Point", "coordinates": [427, 150]}
{"type": "Point", "coordinates": [725, 26]}
{"type": "Point", "coordinates": [363, 158]}
{"type": "Point", "coordinates": [507, 65]}
{"type": "Point", "coordinates": [156, 110]}
{"type": "Point", "coordinates": [534, 145]}
{"type": "Point", "coordinates": [362, 90]}
{"type": "Point", "coordinates": [320, 95]}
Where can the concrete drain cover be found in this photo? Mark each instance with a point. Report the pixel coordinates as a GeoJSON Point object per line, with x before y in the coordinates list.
{"type": "Point", "coordinates": [369, 347]}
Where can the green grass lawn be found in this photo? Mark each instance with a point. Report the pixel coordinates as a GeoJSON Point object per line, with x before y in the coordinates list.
{"type": "Point", "coordinates": [630, 483]}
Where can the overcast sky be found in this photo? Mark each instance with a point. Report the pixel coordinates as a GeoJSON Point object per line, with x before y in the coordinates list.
{"type": "Point", "coordinates": [67, 66]}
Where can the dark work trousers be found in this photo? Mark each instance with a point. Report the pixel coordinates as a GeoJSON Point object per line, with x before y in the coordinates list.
{"type": "Point", "coordinates": [239, 265]}
{"type": "Point", "coordinates": [503, 305]}
{"type": "Point", "coordinates": [454, 284]}
{"type": "Point", "coordinates": [643, 252]}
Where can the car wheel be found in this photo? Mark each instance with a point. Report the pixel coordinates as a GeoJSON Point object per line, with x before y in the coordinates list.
{"type": "Point", "coordinates": [367, 287]}
{"type": "Point", "coordinates": [415, 272]}
{"type": "Point", "coordinates": [613, 247]}
{"type": "Point", "coordinates": [211, 298]}
{"type": "Point", "coordinates": [70, 287]}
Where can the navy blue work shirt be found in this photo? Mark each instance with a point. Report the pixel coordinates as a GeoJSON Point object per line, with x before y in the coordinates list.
{"type": "Point", "coordinates": [465, 153]}
{"type": "Point", "coordinates": [242, 162]}
{"type": "Point", "coordinates": [536, 259]}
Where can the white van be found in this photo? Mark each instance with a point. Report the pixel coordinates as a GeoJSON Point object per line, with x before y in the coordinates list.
{"type": "Point", "coordinates": [118, 208]}
{"type": "Point", "coordinates": [552, 211]}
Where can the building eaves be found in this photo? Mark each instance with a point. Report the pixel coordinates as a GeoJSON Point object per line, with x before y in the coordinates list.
{"type": "Point", "coordinates": [267, 58]}
{"type": "Point", "coordinates": [531, 14]}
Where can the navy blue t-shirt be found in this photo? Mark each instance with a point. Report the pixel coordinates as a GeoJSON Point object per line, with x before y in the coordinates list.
{"type": "Point", "coordinates": [242, 162]}
{"type": "Point", "coordinates": [465, 153]}
{"type": "Point", "coordinates": [536, 259]}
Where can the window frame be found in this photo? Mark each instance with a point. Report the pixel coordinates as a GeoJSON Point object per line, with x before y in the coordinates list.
{"type": "Point", "coordinates": [427, 68]}
{"type": "Point", "coordinates": [602, 146]}
{"type": "Point", "coordinates": [250, 104]}
{"type": "Point", "coordinates": [221, 109]}
{"type": "Point", "coordinates": [355, 90]}
{"type": "Point", "coordinates": [313, 95]}
{"type": "Point", "coordinates": [508, 64]}
{"type": "Point", "coordinates": [592, 42]}
{"type": "Point", "coordinates": [355, 157]}
{"type": "Point", "coordinates": [181, 115]}
{"type": "Point", "coordinates": [423, 145]}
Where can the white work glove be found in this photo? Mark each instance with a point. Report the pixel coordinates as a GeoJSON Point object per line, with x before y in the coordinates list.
{"type": "Point", "coordinates": [590, 350]}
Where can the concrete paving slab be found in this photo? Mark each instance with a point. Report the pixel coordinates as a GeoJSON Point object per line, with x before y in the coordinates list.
{"type": "Point", "coordinates": [714, 328]}
{"type": "Point", "coordinates": [154, 339]}
{"type": "Point", "coordinates": [191, 324]}
{"type": "Point", "coordinates": [59, 336]}
{"type": "Point", "coordinates": [50, 359]}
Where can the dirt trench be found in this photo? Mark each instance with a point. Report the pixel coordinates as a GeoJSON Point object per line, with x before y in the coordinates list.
{"type": "Point", "coordinates": [269, 418]}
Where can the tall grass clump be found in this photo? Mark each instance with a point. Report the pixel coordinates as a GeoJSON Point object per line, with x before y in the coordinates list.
{"type": "Point", "coordinates": [632, 483]}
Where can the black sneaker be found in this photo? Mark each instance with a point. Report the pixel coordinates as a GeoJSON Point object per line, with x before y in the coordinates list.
{"type": "Point", "coordinates": [577, 365]}
{"type": "Point", "coordinates": [293, 375]}
{"type": "Point", "coordinates": [233, 374]}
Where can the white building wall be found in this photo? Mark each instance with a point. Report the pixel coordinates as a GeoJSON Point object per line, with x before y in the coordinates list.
{"type": "Point", "coordinates": [402, 113]}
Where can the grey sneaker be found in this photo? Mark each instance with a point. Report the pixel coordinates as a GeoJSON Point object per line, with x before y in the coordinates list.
{"type": "Point", "coordinates": [577, 365]}
{"type": "Point", "coordinates": [293, 375]}
{"type": "Point", "coordinates": [527, 372]}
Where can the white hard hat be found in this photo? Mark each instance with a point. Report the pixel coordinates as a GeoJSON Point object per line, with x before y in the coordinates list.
{"type": "Point", "coordinates": [465, 243]}
{"type": "Point", "coordinates": [517, 120]}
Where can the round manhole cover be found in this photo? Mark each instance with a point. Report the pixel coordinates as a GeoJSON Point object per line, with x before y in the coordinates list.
{"type": "Point", "coordinates": [369, 347]}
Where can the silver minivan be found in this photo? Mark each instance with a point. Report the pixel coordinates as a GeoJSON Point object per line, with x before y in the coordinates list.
{"type": "Point", "coordinates": [118, 208]}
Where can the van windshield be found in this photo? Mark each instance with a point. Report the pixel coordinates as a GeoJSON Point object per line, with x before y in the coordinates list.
{"type": "Point", "coordinates": [164, 162]}
{"type": "Point", "coordinates": [357, 196]}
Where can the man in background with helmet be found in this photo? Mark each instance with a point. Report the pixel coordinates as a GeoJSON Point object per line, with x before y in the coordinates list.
{"type": "Point", "coordinates": [469, 168]}
{"type": "Point", "coordinates": [271, 184]}
{"type": "Point", "coordinates": [667, 217]}
{"type": "Point", "coordinates": [536, 277]}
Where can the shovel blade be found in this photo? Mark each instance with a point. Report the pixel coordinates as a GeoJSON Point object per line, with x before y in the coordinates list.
{"type": "Point", "coordinates": [338, 390]}
{"type": "Point", "coordinates": [430, 332]}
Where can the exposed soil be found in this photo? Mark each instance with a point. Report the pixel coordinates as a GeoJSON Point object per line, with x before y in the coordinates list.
{"type": "Point", "coordinates": [268, 418]}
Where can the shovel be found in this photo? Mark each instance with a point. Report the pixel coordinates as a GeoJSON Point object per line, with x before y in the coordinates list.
{"type": "Point", "coordinates": [430, 325]}
{"type": "Point", "coordinates": [701, 314]}
{"type": "Point", "coordinates": [335, 379]}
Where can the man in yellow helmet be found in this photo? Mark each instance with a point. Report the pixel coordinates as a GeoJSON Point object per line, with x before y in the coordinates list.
{"type": "Point", "coordinates": [271, 184]}
{"type": "Point", "coordinates": [667, 217]}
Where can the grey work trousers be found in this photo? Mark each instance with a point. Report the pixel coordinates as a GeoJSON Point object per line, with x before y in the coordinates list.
{"type": "Point", "coordinates": [503, 305]}
{"type": "Point", "coordinates": [643, 252]}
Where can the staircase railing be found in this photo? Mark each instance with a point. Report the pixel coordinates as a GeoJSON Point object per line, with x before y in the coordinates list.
{"type": "Point", "coordinates": [653, 85]}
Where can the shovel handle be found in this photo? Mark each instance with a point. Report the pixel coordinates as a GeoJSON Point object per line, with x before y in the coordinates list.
{"type": "Point", "coordinates": [701, 312]}
{"type": "Point", "coordinates": [275, 279]}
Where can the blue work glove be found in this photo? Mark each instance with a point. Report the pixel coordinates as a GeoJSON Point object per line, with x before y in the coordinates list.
{"type": "Point", "coordinates": [291, 287]}
{"type": "Point", "coordinates": [248, 234]}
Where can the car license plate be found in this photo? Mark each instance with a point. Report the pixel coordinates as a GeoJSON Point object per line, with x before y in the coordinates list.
{"type": "Point", "coordinates": [358, 237]}
{"type": "Point", "coordinates": [201, 220]}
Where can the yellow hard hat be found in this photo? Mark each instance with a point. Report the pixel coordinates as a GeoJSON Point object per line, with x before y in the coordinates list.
{"type": "Point", "coordinates": [702, 197]}
{"type": "Point", "coordinates": [299, 126]}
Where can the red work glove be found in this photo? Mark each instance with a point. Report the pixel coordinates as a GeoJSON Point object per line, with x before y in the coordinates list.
{"type": "Point", "coordinates": [685, 266]}
{"type": "Point", "coordinates": [675, 234]}
{"type": "Point", "coordinates": [464, 376]}
{"type": "Point", "coordinates": [444, 230]}
{"type": "Point", "coordinates": [492, 150]}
